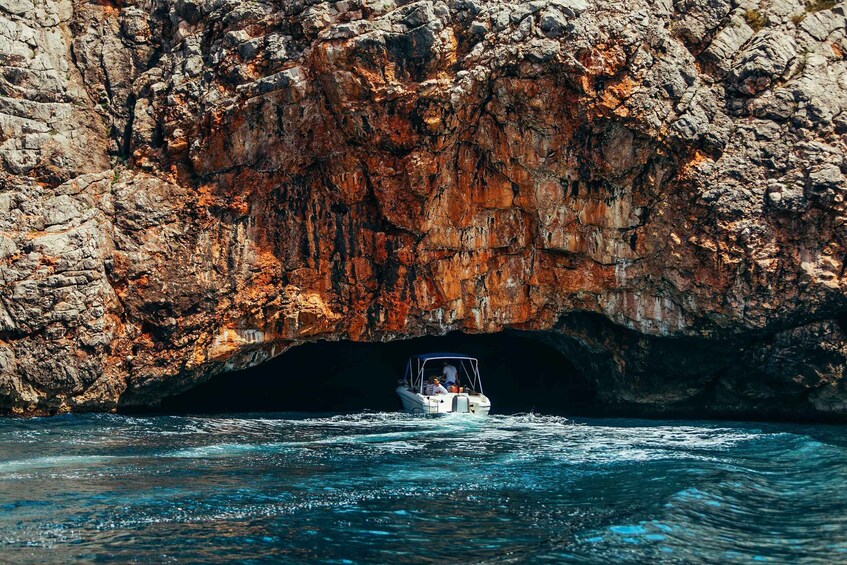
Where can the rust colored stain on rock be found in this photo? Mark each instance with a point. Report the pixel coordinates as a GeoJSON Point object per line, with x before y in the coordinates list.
{"type": "Point", "coordinates": [378, 170]}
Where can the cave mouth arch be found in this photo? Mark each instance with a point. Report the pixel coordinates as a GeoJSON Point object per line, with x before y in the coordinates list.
{"type": "Point", "coordinates": [520, 373]}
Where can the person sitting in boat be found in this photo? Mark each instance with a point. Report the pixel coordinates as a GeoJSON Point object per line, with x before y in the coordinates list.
{"type": "Point", "coordinates": [427, 389]}
{"type": "Point", "coordinates": [437, 388]}
{"type": "Point", "coordinates": [450, 374]}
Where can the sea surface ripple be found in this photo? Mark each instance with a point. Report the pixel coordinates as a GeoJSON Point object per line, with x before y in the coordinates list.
{"type": "Point", "coordinates": [394, 488]}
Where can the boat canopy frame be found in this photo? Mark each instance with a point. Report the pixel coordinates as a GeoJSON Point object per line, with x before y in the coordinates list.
{"type": "Point", "coordinates": [468, 370]}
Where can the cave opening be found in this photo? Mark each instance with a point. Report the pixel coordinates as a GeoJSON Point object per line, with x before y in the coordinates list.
{"type": "Point", "coordinates": [520, 373]}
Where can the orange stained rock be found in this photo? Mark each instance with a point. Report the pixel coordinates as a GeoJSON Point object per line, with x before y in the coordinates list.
{"type": "Point", "coordinates": [494, 191]}
{"type": "Point", "coordinates": [413, 183]}
{"type": "Point", "coordinates": [350, 183]}
{"type": "Point", "coordinates": [549, 193]}
{"type": "Point", "coordinates": [587, 277]}
{"type": "Point", "coordinates": [397, 315]}
{"type": "Point", "coordinates": [594, 212]}
{"type": "Point", "coordinates": [111, 8]}
{"type": "Point", "coordinates": [357, 325]}
{"type": "Point", "coordinates": [696, 160]}
{"type": "Point", "coordinates": [614, 95]}
{"type": "Point", "coordinates": [363, 272]}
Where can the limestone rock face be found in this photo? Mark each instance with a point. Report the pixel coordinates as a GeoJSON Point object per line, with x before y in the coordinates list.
{"type": "Point", "coordinates": [656, 188]}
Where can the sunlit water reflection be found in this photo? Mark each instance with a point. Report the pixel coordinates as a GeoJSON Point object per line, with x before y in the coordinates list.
{"type": "Point", "coordinates": [397, 488]}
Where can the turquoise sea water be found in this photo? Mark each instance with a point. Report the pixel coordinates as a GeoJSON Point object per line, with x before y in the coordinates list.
{"type": "Point", "coordinates": [392, 488]}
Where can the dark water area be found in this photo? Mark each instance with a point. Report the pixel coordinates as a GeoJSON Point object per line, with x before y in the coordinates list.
{"type": "Point", "coordinates": [394, 488]}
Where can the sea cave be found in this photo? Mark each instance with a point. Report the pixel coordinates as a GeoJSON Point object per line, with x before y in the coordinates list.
{"type": "Point", "coordinates": [521, 372]}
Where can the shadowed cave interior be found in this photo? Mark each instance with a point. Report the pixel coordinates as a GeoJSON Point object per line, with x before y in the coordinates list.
{"type": "Point", "coordinates": [519, 374]}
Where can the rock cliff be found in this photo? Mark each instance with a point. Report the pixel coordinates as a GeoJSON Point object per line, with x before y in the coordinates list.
{"type": "Point", "coordinates": [656, 188]}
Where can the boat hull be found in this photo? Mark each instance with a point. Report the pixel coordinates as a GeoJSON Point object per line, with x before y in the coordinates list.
{"type": "Point", "coordinates": [416, 403]}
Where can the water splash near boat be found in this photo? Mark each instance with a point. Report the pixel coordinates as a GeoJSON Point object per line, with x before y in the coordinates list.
{"type": "Point", "coordinates": [377, 487]}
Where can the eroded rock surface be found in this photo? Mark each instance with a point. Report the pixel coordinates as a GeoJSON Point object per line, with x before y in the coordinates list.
{"type": "Point", "coordinates": [657, 188]}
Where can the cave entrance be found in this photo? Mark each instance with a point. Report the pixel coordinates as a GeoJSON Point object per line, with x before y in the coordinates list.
{"type": "Point", "coordinates": [519, 373]}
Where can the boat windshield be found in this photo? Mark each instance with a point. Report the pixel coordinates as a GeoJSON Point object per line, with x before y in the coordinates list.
{"type": "Point", "coordinates": [422, 368]}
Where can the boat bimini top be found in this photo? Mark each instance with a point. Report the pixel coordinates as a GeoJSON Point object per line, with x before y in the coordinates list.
{"type": "Point", "coordinates": [422, 367]}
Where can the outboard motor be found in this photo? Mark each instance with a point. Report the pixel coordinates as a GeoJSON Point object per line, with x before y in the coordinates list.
{"type": "Point", "coordinates": [461, 404]}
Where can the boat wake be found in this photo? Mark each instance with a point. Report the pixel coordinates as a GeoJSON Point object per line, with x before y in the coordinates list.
{"type": "Point", "coordinates": [374, 486]}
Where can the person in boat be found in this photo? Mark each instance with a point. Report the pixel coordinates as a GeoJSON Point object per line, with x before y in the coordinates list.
{"type": "Point", "coordinates": [450, 375]}
{"type": "Point", "coordinates": [427, 389]}
{"type": "Point", "coordinates": [437, 387]}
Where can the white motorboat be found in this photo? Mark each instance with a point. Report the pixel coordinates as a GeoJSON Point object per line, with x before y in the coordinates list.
{"type": "Point", "coordinates": [419, 395]}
